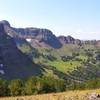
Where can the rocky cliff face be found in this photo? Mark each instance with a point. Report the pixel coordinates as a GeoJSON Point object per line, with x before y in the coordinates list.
{"type": "Point", "coordinates": [69, 40]}
{"type": "Point", "coordinates": [65, 40]}
{"type": "Point", "coordinates": [41, 37]}
{"type": "Point", "coordinates": [13, 63]}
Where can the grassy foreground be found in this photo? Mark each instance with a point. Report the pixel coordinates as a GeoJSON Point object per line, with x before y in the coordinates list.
{"type": "Point", "coordinates": [70, 95]}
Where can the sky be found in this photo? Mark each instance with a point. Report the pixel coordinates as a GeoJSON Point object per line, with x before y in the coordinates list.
{"type": "Point", "coordinates": [78, 18]}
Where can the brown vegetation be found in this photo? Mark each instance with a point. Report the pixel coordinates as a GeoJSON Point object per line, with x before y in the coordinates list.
{"type": "Point", "coordinates": [71, 95]}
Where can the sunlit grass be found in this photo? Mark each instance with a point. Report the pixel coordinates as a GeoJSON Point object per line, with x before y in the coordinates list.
{"type": "Point", "coordinates": [64, 66]}
{"type": "Point", "coordinates": [70, 95]}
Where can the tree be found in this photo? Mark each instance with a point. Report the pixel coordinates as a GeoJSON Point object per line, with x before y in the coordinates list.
{"type": "Point", "coordinates": [51, 84]}
{"type": "Point", "coordinates": [15, 87]}
{"type": "Point", "coordinates": [59, 85]}
{"type": "Point", "coordinates": [33, 85]}
{"type": "Point", "coordinates": [3, 87]}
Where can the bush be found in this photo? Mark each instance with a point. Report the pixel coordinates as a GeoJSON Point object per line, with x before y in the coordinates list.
{"type": "Point", "coordinates": [3, 88]}
{"type": "Point", "coordinates": [15, 87]}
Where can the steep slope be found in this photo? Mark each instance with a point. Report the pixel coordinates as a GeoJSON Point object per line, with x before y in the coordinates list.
{"type": "Point", "coordinates": [13, 63]}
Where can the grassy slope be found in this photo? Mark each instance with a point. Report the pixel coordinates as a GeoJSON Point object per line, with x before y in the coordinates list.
{"type": "Point", "coordinates": [75, 67]}
{"type": "Point", "coordinates": [70, 95]}
{"type": "Point", "coordinates": [64, 66]}
{"type": "Point", "coordinates": [59, 64]}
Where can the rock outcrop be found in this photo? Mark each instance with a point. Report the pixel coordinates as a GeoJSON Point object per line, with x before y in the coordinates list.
{"type": "Point", "coordinates": [44, 37]}
{"type": "Point", "coordinates": [69, 40]}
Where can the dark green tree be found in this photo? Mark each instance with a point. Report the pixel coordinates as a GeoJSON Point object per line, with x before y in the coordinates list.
{"type": "Point", "coordinates": [3, 87]}
{"type": "Point", "coordinates": [15, 87]}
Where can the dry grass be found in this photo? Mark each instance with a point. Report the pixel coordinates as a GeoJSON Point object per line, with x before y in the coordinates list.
{"type": "Point", "coordinates": [71, 95]}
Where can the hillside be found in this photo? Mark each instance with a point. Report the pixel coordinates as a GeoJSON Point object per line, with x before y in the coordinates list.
{"type": "Point", "coordinates": [64, 56]}
{"type": "Point", "coordinates": [14, 63]}
{"type": "Point", "coordinates": [35, 61]}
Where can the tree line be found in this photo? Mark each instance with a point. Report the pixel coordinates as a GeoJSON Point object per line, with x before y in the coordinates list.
{"type": "Point", "coordinates": [32, 85]}
{"type": "Point", "coordinates": [39, 85]}
{"type": "Point", "coordinates": [90, 84]}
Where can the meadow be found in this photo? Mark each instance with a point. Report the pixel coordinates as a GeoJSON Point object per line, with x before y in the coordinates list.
{"type": "Point", "coordinates": [70, 95]}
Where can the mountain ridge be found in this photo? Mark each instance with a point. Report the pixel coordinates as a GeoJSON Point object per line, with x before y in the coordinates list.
{"type": "Point", "coordinates": [43, 37]}
{"type": "Point", "coordinates": [63, 56]}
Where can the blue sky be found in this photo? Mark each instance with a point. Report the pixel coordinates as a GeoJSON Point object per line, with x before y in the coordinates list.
{"type": "Point", "coordinates": [79, 18]}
